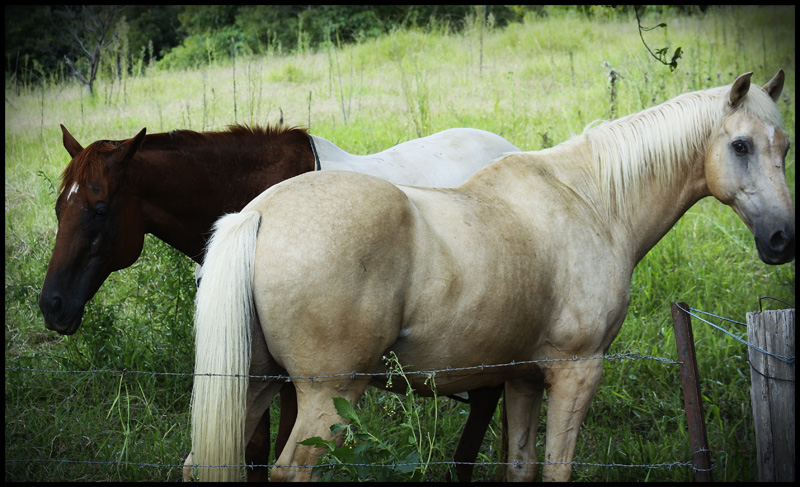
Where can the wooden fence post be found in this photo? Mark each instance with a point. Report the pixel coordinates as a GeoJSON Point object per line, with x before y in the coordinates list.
{"type": "Point", "coordinates": [772, 392]}
{"type": "Point", "coordinates": [690, 379]}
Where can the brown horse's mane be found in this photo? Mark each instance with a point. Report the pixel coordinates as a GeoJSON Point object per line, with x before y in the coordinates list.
{"type": "Point", "coordinates": [91, 159]}
{"type": "Point", "coordinates": [238, 130]}
{"type": "Point", "coordinates": [88, 162]}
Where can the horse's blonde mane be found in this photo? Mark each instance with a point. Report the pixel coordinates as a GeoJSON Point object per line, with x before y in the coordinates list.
{"type": "Point", "coordinates": [658, 144]}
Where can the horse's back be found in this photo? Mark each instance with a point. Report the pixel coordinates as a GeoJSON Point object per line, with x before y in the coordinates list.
{"type": "Point", "coordinates": [329, 154]}
{"type": "Point", "coordinates": [445, 159]}
{"type": "Point", "coordinates": [465, 143]}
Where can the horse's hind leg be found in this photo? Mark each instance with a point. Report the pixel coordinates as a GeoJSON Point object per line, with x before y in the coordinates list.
{"type": "Point", "coordinates": [288, 417]}
{"type": "Point", "coordinates": [257, 451]}
{"type": "Point", "coordinates": [259, 396]}
{"type": "Point", "coordinates": [315, 416]}
{"type": "Point", "coordinates": [482, 404]}
{"type": "Point", "coordinates": [523, 402]}
{"type": "Point", "coordinates": [260, 393]}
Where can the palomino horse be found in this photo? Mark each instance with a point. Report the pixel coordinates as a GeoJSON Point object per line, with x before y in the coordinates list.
{"type": "Point", "coordinates": [341, 268]}
{"type": "Point", "coordinates": [175, 185]}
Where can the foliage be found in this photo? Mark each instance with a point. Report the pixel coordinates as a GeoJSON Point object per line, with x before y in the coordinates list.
{"type": "Point", "coordinates": [198, 50]}
{"type": "Point", "coordinates": [182, 37]}
{"type": "Point", "coordinates": [402, 444]}
{"type": "Point", "coordinates": [660, 54]}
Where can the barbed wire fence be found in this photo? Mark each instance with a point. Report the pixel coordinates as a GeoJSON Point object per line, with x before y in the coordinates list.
{"type": "Point", "coordinates": [429, 373]}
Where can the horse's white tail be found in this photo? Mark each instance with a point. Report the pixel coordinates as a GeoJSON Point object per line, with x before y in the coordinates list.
{"type": "Point", "coordinates": [224, 314]}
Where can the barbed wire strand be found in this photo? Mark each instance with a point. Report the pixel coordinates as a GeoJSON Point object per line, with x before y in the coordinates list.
{"type": "Point", "coordinates": [379, 465]}
{"type": "Point", "coordinates": [788, 360]}
{"type": "Point", "coordinates": [614, 356]}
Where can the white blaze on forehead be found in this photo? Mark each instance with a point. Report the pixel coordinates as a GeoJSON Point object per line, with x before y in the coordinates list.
{"type": "Point", "coordinates": [771, 132]}
{"type": "Point", "coordinates": [72, 190]}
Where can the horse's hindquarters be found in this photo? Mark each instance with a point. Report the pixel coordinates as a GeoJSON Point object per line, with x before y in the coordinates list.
{"type": "Point", "coordinates": [331, 270]}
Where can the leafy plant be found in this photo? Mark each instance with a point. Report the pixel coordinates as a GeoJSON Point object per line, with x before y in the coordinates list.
{"type": "Point", "coordinates": [399, 459]}
{"type": "Point", "coordinates": [660, 54]}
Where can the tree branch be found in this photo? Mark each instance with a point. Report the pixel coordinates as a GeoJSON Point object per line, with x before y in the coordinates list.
{"type": "Point", "coordinates": [75, 71]}
{"type": "Point", "coordinates": [660, 54]}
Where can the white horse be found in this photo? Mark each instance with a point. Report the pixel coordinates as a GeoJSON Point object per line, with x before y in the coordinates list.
{"type": "Point", "coordinates": [530, 260]}
{"type": "Point", "coordinates": [442, 160]}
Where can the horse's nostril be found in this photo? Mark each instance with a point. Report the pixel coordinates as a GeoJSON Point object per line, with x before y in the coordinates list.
{"type": "Point", "coordinates": [778, 240]}
{"type": "Point", "coordinates": [56, 305]}
{"type": "Point", "coordinates": [51, 306]}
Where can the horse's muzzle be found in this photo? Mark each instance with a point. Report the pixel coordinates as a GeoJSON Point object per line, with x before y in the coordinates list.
{"type": "Point", "coordinates": [778, 248]}
{"type": "Point", "coordinates": [56, 317]}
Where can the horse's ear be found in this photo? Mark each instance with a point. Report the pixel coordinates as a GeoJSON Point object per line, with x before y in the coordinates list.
{"type": "Point", "coordinates": [136, 142]}
{"type": "Point", "coordinates": [775, 85]}
{"type": "Point", "coordinates": [740, 88]}
{"type": "Point", "coordinates": [127, 149]}
{"type": "Point", "coordinates": [73, 146]}
{"type": "Point", "coordinates": [119, 158]}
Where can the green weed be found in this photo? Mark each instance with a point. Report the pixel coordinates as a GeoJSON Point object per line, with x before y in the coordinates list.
{"type": "Point", "coordinates": [406, 447]}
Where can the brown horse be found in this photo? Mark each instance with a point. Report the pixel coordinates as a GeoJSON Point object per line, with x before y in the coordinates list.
{"type": "Point", "coordinates": [528, 262]}
{"type": "Point", "coordinates": [175, 185]}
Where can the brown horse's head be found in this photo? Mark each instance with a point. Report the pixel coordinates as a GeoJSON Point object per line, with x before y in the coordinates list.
{"type": "Point", "coordinates": [100, 228]}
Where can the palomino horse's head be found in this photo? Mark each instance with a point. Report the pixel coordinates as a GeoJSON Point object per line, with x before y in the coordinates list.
{"type": "Point", "coordinates": [100, 229]}
{"type": "Point", "coordinates": [744, 166]}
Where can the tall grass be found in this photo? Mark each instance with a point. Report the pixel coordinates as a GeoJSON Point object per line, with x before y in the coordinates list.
{"type": "Point", "coordinates": [536, 83]}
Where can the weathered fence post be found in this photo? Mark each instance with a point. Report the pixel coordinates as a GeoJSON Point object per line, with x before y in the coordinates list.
{"type": "Point", "coordinates": [772, 392]}
{"type": "Point", "coordinates": [690, 379]}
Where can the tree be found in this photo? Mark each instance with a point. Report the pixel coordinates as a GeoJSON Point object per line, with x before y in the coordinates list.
{"type": "Point", "coordinates": [86, 29]}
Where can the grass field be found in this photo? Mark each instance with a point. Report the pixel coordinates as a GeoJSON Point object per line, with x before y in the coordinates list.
{"type": "Point", "coordinates": [536, 84]}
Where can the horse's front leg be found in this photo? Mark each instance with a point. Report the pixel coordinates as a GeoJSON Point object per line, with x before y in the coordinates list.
{"type": "Point", "coordinates": [570, 388]}
{"type": "Point", "coordinates": [523, 403]}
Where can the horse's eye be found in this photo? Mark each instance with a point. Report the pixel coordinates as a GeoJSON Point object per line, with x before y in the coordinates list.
{"type": "Point", "coordinates": [100, 209]}
{"type": "Point", "coordinates": [740, 148]}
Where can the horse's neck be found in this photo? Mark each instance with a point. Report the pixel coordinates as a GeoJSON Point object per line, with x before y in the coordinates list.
{"type": "Point", "coordinates": [661, 207]}
{"type": "Point", "coordinates": [183, 195]}
{"type": "Point", "coordinates": [659, 204]}
{"type": "Point", "coordinates": [179, 212]}
{"type": "Point", "coordinates": [567, 172]}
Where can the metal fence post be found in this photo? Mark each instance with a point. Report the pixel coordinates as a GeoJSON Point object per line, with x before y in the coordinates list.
{"type": "Point", "coordinates": [690, 379]}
